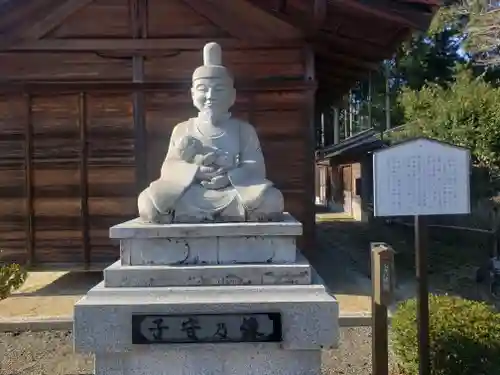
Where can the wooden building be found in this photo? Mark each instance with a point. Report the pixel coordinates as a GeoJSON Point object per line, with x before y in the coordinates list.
{"type": "Point", "coordinates": [346, 171]}
{"type": "Point", "coordinates": [90, 90]}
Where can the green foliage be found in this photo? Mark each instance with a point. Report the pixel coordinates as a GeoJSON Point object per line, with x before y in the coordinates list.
{"type": "Point", "coordinates": [464, 337]}
{"type": "Point", "coordinates": [429, 59]}
{"type": "Point", "coordinates": [466, 114]}
{"type": "Point", "coordinates": [450, 16]}
{"type": "Point", "coordinates": [12, 277]}
{"type": "Point", "coordinates": [483, 31]}
{"type": "Point", "coordinates": [426, 57]}
{"type": "Point", "coordinates": [431, 56]}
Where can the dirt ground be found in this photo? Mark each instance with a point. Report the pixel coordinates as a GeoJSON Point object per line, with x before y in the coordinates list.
{"type": "Point", "coordinates": [51, 353]}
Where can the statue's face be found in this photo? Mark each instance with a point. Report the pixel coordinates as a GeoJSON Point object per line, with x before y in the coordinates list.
{"type": "Point", "coordinates": [213, 95]}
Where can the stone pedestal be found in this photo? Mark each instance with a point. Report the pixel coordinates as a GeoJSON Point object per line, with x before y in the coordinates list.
{"type": "Point", "coordinates": [255, 303]}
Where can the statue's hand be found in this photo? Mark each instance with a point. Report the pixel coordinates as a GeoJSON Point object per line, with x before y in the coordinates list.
{"type": "Point", "coordinates": [209, 158]}
{"type": "Point", "coordinates": [198, 159]}
{"type": "Point", "coordinates": [224, 160]}
{"type": "Point", "coordinates": [216, 183]}
{"type": "Point", "coordinates": [222, 170]}
{"type": "Point", "coordinates": [205, 173]}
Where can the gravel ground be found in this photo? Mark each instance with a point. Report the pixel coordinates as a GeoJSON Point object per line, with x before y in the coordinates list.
{"type": "Point", "coordinates": [51, 353]}
{"type": "Point", "coordinates": [354, 354]}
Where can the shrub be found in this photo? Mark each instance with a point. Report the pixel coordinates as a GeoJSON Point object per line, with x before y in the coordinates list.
{"type": "Point", "coordinates": [466, 114]}
{"type": "Point", "coordinates": [12, 276]}
{"type": "Point", "coordinates": [464, 337]}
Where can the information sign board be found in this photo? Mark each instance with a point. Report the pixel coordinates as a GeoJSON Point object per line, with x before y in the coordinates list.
{"type": "Point", "coordinates": [421, 177]}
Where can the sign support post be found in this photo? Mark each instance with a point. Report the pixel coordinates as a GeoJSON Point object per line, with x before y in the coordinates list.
{"type": "Point", "coordinates": [421, 237]}
{"type": "Point", "coordinates": [383, 282]}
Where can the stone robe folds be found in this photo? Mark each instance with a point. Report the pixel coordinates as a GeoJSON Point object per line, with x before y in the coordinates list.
{"type": "Point", "coordinates": [178, 191]}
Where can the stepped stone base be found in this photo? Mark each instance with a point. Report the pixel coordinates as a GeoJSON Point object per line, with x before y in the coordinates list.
{"type": "Point", "coordinates": [219, 243]}
{"type": "Point", "coordinates": [118, 275]}
{"type": "Point", "coordinates": [242, 274]}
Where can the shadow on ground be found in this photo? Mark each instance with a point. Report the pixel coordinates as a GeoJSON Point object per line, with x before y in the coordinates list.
{"type": "Point", "coordinates": [71, 283]}
{"type": "Point", "coordinates": [453, 258]}
{"type": "Point", "coordinates": [336, 266]}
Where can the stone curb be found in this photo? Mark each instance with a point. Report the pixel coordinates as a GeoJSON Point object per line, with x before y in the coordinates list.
{"type": "Point", "coordinates": [66, 323]}
{"type": "Point", "coordinates": [358, 320]}
{"type": "Point", "coordinates": [36, 324]}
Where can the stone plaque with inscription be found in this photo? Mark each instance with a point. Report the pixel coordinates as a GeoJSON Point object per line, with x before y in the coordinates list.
{"type": "Point", "coordinates": [209, 328]}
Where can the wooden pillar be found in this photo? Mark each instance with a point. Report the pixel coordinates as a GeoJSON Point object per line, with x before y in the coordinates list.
{"type": "Point", "coordinates": [387, 97]}
{"type": "Point", "coordinates": [28, 182]}
{"type": "Point", "coordinates": [138, 15]}
{"type": "Point", "coordinates": [310, 161]}
{"type": "Point", "coordinates": [84, 195]}
{"type": "Point", "coordinates": [328, 183]}
{"type": "Point", "coordinates": [350, 127]}
{"type": "Point", "coordinates": [324, 109]}
{"type": "Point", "coordinates": [370, 99]}
{"type": "Point", "coordinates": [336, 126]}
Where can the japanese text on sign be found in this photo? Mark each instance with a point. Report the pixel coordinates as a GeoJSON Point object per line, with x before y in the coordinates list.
{"type": "Point", "coordinates": [148, 329]}
{"type": "Point", "coordinates": [421, 177]}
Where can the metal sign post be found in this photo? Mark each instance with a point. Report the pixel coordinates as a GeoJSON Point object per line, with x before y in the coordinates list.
{"type": "Point", "coordinates": [421, 177]}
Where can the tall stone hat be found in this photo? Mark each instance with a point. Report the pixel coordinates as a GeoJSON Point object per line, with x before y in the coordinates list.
{"type": "Point", "coordinates": [212, 64]}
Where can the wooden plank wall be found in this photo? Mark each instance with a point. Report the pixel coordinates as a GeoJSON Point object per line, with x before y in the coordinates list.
{"type": "Point", "coordinates": [67, 175]}
{"type": "Point", "coordinates": [68, 166]}
{"type": "Point", "coordinates": [68, 161]}
{"type": "Point", "coordinates": [14, 151]}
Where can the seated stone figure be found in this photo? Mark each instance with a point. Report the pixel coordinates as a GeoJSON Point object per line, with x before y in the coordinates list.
{"type": "Point", "coordinates": [214, 168]}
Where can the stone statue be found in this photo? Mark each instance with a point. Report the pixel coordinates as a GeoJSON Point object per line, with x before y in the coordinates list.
{"type": "Point", "coordinates": [214, 169]}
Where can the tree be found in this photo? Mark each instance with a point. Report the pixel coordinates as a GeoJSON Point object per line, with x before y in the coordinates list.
{"type": "Point", "coordinates": [466, 114]}
{"type": "Point", "coordinates": [428, 57]}
{"type": "Point", "coordinates": [432, 56]}
{"type": "Point", "coordinates": [483, 31]}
